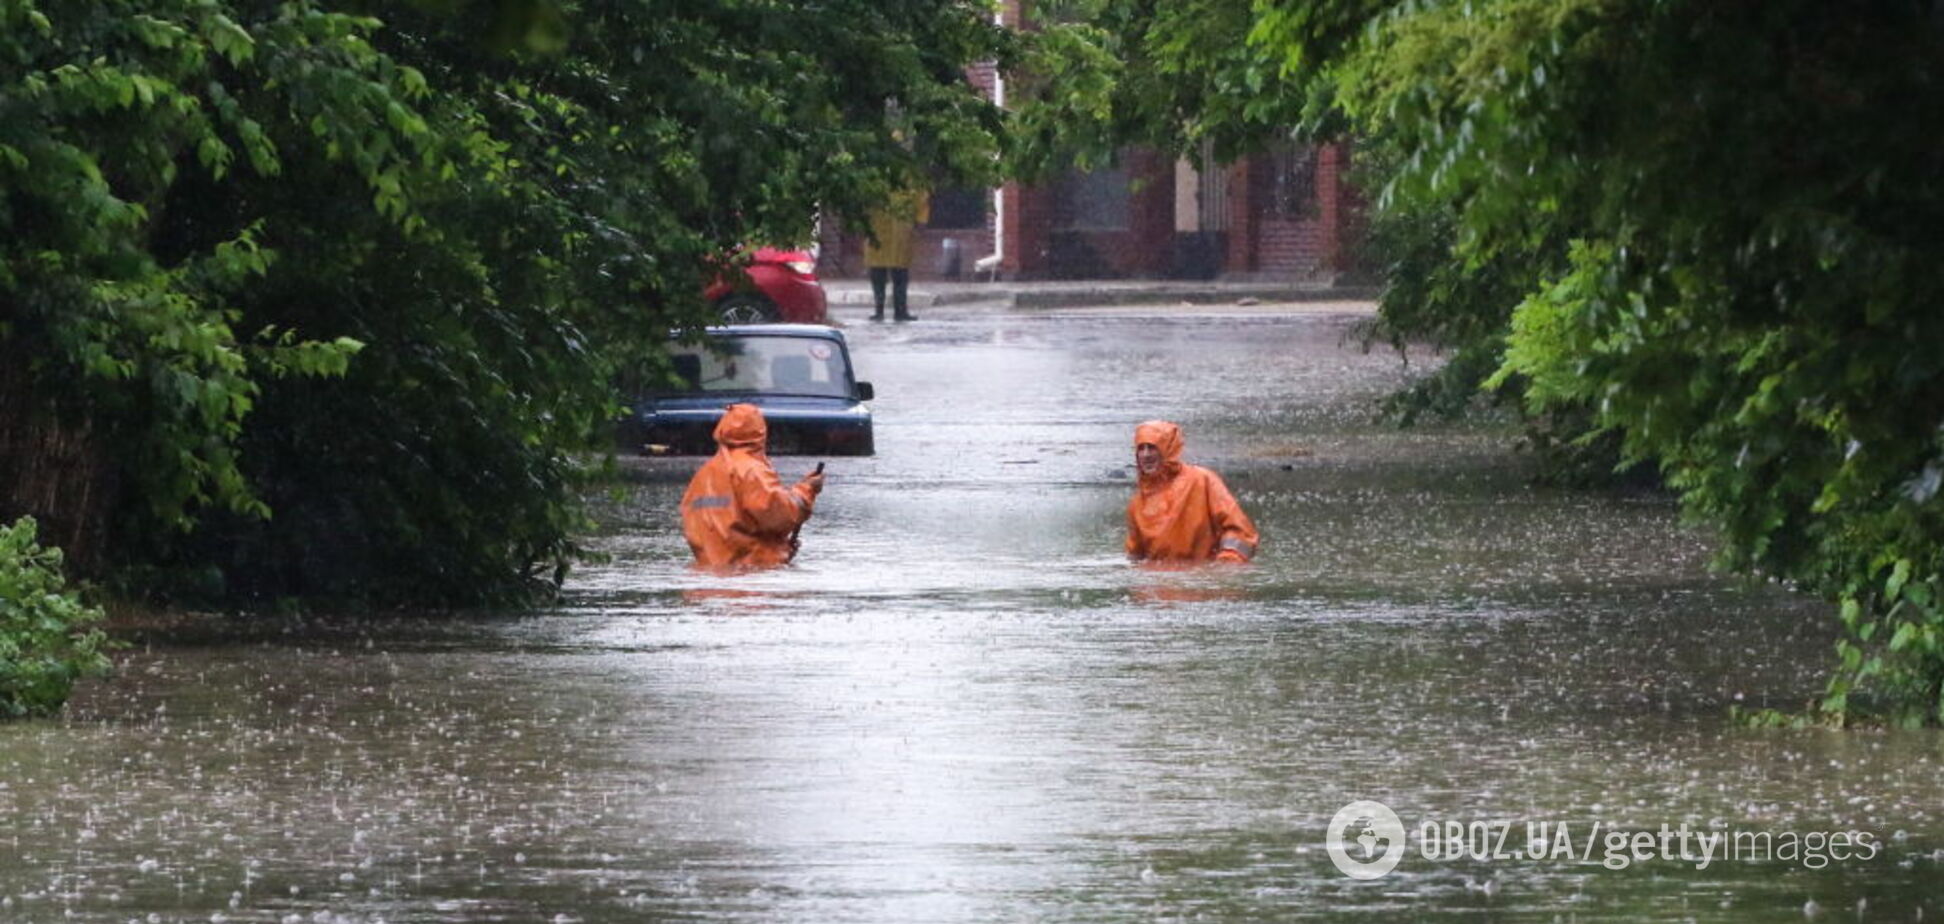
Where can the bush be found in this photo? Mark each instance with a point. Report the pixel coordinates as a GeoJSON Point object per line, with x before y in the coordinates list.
{"type": "Point", "coordinates": [47, 639]}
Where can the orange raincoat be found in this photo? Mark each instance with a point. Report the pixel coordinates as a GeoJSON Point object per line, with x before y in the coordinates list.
{"type": "Point", "coordinates": [1184, 512]}
{"type": "Point", "coordinates": [737, 514]}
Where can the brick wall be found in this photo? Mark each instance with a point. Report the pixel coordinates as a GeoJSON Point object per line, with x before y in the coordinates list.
{"type": "Point", "coordinates": [1142, 249]}
{"type": "Point", "coordinates": [1320, 243]}
{"type": "Point", "coordinates": [1317, 244]}
{"type": "Point", "coordinates": [983, 76]}
{"type": "Point", "coordinates": [1286, 249]}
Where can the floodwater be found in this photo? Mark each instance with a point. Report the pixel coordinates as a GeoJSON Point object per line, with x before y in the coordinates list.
{"type": "Point", "coordinates": [963, 705]}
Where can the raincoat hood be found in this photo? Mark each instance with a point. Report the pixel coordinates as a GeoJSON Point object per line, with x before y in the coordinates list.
{"type": "Point", "coordinates": [1166, 437]}
{"type": "Point", "coordinates": [742, 427]}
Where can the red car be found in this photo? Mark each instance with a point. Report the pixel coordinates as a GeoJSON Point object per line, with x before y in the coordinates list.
{"type": "Point", "coordinates": [780, 285]}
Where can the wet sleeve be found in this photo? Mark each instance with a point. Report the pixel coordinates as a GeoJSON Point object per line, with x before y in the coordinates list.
{"type": "Point", "coordinates": [1235, 535]}
{"type": "Point", "coordinates": [1136, 543]}
{"type": "Point", "coordinates": [766, 505]}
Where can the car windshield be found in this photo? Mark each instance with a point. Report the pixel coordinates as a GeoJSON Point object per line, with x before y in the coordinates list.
{"type": "Point", "coordinates": [772, 365]}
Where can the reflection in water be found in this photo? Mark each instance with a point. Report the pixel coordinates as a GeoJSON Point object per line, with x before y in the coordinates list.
{"type": "Point", "coordinates": [1162, 582]}
{"type": "Point", "coordinates": [733, 600]}
{"type": "Point", "coordinates": [1174, 593]}
{"type": "Point", "coordinates": [962, 704]}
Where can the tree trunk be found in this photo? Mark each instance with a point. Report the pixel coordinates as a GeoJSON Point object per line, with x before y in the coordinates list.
{"type": "Point", "coordinates": [54, 465]}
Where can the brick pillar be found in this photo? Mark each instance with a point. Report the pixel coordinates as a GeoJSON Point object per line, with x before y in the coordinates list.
{"type": "Point", "coordinates": [832, 247]}
{"type": "Point", "coordinates": [1029, 216]}
{"type": "Point", "coordinates": [1241, 220]}
{"type": "Point", "coordinates": [1351, 216]}
{"type": "Point", "coordinates": [1329, 201]}
{"type": "Point", "coordinates": [1012, 15]}
{"type": "Point", "coordinates": [1150, 213]}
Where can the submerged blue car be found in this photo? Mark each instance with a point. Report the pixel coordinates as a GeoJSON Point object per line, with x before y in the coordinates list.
{"type": "Point", "coordinates": [799, 374]}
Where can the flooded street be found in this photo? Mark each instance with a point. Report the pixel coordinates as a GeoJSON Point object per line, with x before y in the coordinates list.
{"type": "Point", "coordinates": [964, 705]}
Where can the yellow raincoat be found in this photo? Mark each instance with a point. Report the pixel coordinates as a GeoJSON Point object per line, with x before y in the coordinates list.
{"type": "Point", "coordinates": [893, 227]}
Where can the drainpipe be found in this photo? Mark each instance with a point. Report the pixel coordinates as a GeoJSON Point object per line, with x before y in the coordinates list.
{"type": "Point", "coordinates": [990, 264]}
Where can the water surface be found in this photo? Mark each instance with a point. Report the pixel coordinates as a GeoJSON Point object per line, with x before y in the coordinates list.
{"type": "Point", "coordinates": [963, 705]}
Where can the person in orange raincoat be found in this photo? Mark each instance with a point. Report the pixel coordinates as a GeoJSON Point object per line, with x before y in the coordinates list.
{"type": "Point", "coordinates": [737, 514]}
{"type": "Point", "coordinates": [1182, 512]}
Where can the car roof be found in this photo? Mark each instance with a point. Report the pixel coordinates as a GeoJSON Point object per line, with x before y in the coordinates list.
{"type": "Point", "coordinates": [776, 330]}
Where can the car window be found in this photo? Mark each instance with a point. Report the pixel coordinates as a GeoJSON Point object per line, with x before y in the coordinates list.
{"type": "Point", "coordinates": [772, 365]}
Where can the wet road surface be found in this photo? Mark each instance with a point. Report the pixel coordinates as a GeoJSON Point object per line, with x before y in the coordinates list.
{"type": "Point", "coordinates": [963, 705]}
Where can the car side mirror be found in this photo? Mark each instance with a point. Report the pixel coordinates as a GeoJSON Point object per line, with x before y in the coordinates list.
{"type": "Point", "coordinates": [865, 392]}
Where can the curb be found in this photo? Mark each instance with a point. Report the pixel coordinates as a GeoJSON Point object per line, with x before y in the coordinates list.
{"type": "Point", "coordinates": [1192, 295]}
{"type": "Point", "coordinates": [1029, 297]}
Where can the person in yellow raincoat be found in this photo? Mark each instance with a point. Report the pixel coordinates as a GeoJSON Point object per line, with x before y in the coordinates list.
{"type": "Point", "coordinates": [888, 252]}
{"type": "Point", "coordinates": [1182, 512]}
{"type": "Point", "coordinates": [737, 515]}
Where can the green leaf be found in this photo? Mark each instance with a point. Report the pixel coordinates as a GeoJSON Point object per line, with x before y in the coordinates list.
{"type": "Point", "coordinates": [1893, 587]}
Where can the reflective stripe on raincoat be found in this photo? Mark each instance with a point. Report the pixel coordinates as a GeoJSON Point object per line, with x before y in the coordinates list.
{"type": "Point", "coordinates": [1184, 512]}
{"type": "Point", "coordinates": [737, 514]}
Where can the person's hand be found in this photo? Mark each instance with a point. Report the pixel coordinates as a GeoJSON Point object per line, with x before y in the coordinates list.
{"type": "Point", "coordinates": [815, 481]}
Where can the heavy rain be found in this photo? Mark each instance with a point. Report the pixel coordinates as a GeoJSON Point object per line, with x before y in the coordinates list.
{"type": "Point", "coordinates": [963, 704]}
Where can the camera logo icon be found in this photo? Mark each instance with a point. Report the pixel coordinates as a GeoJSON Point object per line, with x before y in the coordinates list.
{"type": "Point", "coordinates": [1365, 839]}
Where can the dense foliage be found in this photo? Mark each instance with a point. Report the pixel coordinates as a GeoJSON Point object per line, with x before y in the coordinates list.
{"type": "Point", "coordinates": [1702, 230]}
{"type": "Point", "coordinates": [1750, 190]}
{"type": "Point", "coordinates": [47, 636]}
{"type": "Point", "coordinates": [325, 298]}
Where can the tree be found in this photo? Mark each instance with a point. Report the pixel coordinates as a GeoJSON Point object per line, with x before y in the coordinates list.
{"type": "Point", "coordinates": [329, 302]}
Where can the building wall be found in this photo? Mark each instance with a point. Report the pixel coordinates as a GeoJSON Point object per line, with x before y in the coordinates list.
{"type": "Point", "coordinates": [1263, 237]}
{"type": "Point", "coordinates": [1266, 238]}
{"type": "Point", "coordinates": [1290, 249]}
{"type": "Point", "coordinates": [1270, 239]}
{"type": "Point", "coordinates": [1138, 246]}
